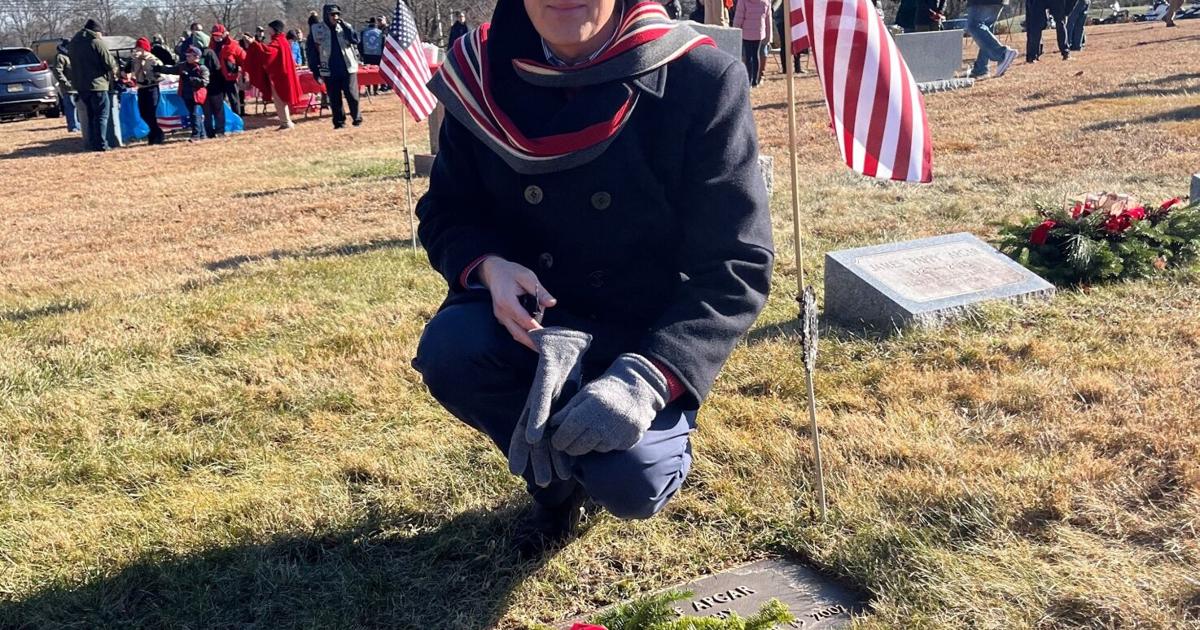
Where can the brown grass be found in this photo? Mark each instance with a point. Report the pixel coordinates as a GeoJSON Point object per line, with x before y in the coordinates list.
{"type": "Point", "coordinates": [208, 419]}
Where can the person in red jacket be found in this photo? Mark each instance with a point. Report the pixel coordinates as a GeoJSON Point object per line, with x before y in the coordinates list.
{"type": "Point", "coordinates": [256, 64]}
{"type": "Point", "coordinates": [230, 57]}
{"type": "Point", "coordinates": [281, 68]}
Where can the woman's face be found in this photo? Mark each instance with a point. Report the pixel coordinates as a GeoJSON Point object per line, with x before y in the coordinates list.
{"type": "Point", "coordinates": [573, 28]}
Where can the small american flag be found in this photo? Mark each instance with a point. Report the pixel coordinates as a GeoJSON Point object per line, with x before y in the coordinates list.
{"type": "Point", "coordinates": [878, 113]}
{"type": "Point", "coordinates": [405, 65]}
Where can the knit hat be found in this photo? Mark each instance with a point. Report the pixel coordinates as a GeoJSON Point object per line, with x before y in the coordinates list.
{"type": "Point", "coordinates": [218, 29]}
{"type": "Point", "coordinates": [143, 44]}
{"type": "Point", "coordinates": [194, 50]}
{"type": "Point", "coordinates": [91, 25]}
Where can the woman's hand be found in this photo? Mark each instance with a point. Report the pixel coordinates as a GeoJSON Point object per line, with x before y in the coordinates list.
{"type": "Point", "coordinates": [508, 281]}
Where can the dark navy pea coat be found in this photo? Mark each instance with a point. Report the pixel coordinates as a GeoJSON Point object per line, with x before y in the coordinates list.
{"type": "Point", "coordinates": [664, 238]}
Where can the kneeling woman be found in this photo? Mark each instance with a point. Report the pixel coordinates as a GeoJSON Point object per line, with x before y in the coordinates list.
{"type": "Point", "coordinates": [603, 160]}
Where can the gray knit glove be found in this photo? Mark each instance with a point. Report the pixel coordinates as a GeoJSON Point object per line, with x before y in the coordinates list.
{"type": "Point", "coordinates": [558, 377]}
{"type": "Point", "coordinates": [612, 412]}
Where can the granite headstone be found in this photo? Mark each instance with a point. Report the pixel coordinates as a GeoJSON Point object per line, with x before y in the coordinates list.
{"type": "Point", "coordinates": [925, 282]}
{"type": "Point", "coordinates": [1195, 188]}
{"type": "Point", "coordinates": [728, 39]}
{"type": "Point", "coordinates": [817, 601]}
{"type": "Point", "coordinates": [932, 57]}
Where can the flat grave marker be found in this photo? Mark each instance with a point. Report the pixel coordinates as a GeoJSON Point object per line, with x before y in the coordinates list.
{"type": "Point", "coordinates": [927, 282]}
{"type": "Point", "coordinates": [817, 602]}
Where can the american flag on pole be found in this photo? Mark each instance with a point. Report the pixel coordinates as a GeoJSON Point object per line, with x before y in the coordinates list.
{"type": "Point", "coordinates": [877, 111]}
{"type": "Point", "coordinates": [405, 65]}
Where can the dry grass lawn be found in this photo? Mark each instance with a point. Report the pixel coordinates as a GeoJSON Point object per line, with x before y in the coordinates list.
{"type": "Point", "coordinates": [207, 417]}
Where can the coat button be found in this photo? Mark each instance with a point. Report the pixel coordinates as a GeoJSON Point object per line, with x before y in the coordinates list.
{"type": "Point", "coordinates": [534, 195]}
{"type": "Point", "coordinates": [546, 260]}
{"type": "Point", "coordinates": [601, 201]}
{"type": "Point", "coordinates": [596, 279]}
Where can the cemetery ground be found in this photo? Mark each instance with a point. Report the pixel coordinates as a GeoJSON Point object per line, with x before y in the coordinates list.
{"type": "Point", "coordinates": [207, 416]}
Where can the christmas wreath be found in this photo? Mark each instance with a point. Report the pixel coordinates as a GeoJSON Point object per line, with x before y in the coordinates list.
{"type": "Point", "coordinates": [1107, 236]}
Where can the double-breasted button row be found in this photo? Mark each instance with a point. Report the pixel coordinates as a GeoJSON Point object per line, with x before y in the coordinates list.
{"type": "Point", "coordinates": [534, 196]}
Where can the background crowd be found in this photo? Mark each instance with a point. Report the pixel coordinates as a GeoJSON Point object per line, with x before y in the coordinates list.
{"type": "Point", "coordinates": [212, 70]}
{"type": "Point", "coordinates": [215, 69]}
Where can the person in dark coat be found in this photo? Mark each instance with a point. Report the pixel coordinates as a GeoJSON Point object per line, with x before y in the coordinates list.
{"type": "Point", "coordinates": [214, 102]}
{"type": "Point", "coordinates": [653, 243]}
{"type": "Point", "coordinates": [332, 51]}
{"type": "Point", "coordinates": [1036, 23]}
{"type": "Point", "coordinates": [918, 16]}
{"type": "Point", "coordinates": [93, 72]}
{"type": "Point", "coordinates": [159, 49]}
{"type": "Point", "coordinates": [194, 78]}
{"type": "Point", "coordinates": [458, 29]}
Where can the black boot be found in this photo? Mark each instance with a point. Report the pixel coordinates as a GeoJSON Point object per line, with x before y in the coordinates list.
{"type": "Point", "coordinates": [543, 528]}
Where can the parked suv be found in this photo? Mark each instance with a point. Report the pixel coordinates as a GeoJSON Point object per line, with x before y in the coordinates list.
{"type": "Point", "coordinates": [26, 85]}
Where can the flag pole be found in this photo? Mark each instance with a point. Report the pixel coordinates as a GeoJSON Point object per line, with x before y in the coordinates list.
{"type": "Point", "coordinates": [806, 296]}
{"type": "Point", "coordinates": [412, 226]}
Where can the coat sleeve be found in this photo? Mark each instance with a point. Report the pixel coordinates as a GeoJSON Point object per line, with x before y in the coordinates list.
{"type": "Point", "coordinates": [61, 67]}
{"type": "Point", "coordinates": [454, 228]}
{"type": "Point", "coordinates": [726, 252]}
{"type": "Point", "coordinates": [739, 14]}
{"type": "Point", "coordinates": [313, 56]}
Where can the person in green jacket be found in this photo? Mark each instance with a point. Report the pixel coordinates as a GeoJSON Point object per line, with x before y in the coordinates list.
{"type": "Point", "coordinates": [66, 92]}
{"type": "Point", "coordinates": [92, 71]}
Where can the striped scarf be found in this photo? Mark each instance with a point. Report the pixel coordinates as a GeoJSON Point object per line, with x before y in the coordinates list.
{"type": "Point", "coordinates": [646, 41]}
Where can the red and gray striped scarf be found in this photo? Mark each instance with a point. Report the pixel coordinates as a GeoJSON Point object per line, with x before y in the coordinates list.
{"type": "Point", "coordinates": [646, 41]}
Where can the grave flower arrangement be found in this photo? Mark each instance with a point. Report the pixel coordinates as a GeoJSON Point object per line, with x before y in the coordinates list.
{"type": "Point", "coordinates": [1106, 236]}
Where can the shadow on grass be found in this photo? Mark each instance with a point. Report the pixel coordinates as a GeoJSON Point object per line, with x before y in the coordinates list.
{"type": "Point", "coordinates": [49, 310]}
{"type": "Point", "coordinates": [1183, 114]}
{"type": "Point", "coordinates": [457, 575]}
{"type": "Point", "coordinates": [72, 143]}
{"type": "Point", "coordinates": [829, 330]}
{"type": "Point", "coordinates": [235, 262]}
{"type": "Point", "coordinates": [1125, 92]}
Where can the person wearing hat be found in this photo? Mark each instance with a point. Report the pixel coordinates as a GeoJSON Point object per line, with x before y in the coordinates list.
{"type": "Point", "coordinates": [194, 77]}
{"type": "Point", "coordinates": [159, 48]}
{"type": "Point", "coordinates": [598, 212]}
{"type": "Point", "coordinates": [93, 72]}
{"type": "Point", "coordinates": [332, 52]}
{"type": "Point", "coordinates": [62, 78]}
{"type": "Point", "coordinates": [144, 68]}
{"type": "Point", "coordinates": [229, 59]}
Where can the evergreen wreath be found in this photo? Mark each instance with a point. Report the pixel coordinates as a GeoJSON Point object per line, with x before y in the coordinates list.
{"type": "Point", "coordinates": [1105, 237]}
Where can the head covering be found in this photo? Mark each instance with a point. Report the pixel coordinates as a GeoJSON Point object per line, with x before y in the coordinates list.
{"type": "Point", "coordinates": [516, 106]}
{"type": "Point", "coordinates": [143, 44]}
{"type": "Point", "coordinates": [194, 50]}
{"type": "Point", "coordinates": [219, 29]}
{"type": "Point", "coordinates": [91, 25]}
{"type": "Point", "coordinates": [278, 26]}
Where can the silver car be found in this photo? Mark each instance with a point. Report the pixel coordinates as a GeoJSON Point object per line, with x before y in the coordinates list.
{"type": "Point", "coordinates": [26, 85]}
